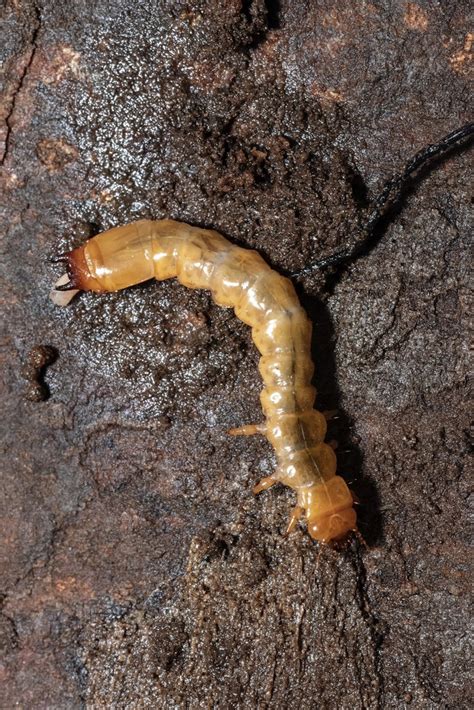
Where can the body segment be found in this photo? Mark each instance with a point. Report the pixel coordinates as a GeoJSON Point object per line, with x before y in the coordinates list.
{"type": "Point", "coordinates": [267, 302]}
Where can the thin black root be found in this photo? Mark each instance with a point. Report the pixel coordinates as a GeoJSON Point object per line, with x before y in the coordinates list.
{"type": "Point", "coordinates": [389, 198]}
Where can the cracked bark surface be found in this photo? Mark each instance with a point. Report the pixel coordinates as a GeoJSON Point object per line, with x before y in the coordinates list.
{"type": "Point", "coordinates": [137, 568]}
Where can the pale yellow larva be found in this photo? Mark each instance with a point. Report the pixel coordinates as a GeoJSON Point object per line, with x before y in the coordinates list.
{"type": "Point", "coordinates": [267, 302]}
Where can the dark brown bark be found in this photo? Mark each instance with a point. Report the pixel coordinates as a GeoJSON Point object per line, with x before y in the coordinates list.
{"type": "Point", "coordinates": [139, 569]}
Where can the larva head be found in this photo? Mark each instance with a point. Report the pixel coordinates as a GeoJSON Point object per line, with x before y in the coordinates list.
{"type": "Point", "coordinates": [116, 259]}
{"type": "Point", "coordinates": [330, 512]}
{"type": "Point", "coordinates": [82, 267]}
{"type": "Point", "coordinates": [78, 277]}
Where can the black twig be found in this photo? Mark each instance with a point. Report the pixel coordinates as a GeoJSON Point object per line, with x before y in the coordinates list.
{"type": "Point", "coordinates": [389, 198]}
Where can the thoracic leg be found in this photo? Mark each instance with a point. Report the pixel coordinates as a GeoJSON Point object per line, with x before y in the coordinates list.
{"type": "Point", "coordinates": [296, 514]}
{"type": "Point", "coordinates": [247, 430]}
{"type": "Point", "coordinates": [264, 484]}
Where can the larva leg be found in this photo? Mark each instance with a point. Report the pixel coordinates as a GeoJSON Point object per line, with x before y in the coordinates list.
{"type": "Point", "coordinates": [264, 484]}
{"type": "Point", "coordinates": [247, 430]}
{"type": "Point", "coordinates": [296, 514]}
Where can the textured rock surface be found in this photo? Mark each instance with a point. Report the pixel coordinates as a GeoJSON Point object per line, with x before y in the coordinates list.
{"type": "Point", "coordinates": [138, 569]}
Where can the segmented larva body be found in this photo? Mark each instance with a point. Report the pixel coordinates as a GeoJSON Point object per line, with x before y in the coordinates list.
{"type": "Point", "coordinates": [267, 302]}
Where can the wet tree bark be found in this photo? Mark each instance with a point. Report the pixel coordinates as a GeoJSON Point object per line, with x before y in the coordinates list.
{"type": "Point", "coordinates": [138, 570]}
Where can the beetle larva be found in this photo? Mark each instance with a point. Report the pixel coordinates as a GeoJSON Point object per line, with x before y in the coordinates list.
{"type": "Point", "coordinates": [267, 302]}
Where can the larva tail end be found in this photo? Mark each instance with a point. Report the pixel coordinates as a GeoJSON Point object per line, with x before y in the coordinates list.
{"type": "Point", "coordinates": [333, 527]}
